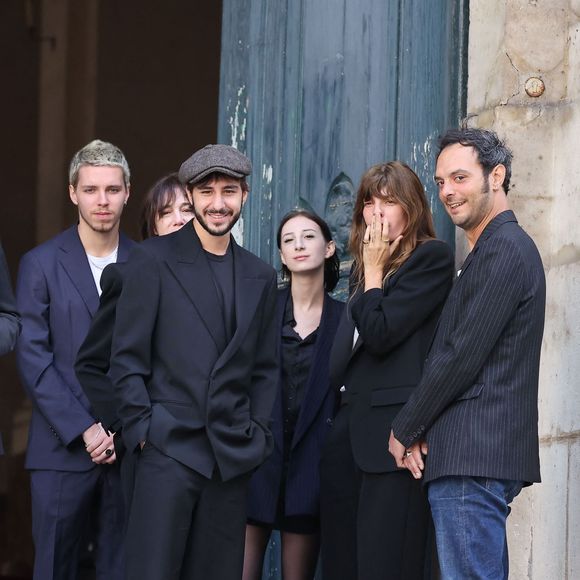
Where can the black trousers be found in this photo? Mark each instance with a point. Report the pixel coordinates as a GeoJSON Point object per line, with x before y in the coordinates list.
{"type": "Point", "coordinates": [374, 526]}
{"type": "Point", "coordinates": [183, 526]}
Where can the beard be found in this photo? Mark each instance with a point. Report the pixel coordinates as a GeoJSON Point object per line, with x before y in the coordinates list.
{"type": "Point", "coordinates": [218, 230]}
{"type": "Point", "coordinates": [99, 226]}
{"type": "Point", "coordinates": [480, 205]}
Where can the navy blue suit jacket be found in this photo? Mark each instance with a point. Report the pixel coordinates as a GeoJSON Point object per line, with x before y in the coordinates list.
{"type": "Point", "coordinates": [314, 420]}
{"type": "Point", "coordinates": [57, 298]}
{"type": "Point", "coordinates": [477, 402]}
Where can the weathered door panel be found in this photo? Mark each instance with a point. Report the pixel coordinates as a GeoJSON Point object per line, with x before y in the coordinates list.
{"type": "Point", "coordinates": [311, 89]}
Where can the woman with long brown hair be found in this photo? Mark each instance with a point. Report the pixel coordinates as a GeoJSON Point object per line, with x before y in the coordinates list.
{"type": "Point", "coordinates": [375, 517]}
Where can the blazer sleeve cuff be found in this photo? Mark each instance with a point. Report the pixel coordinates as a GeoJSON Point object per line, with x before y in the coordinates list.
{"type": "Point", "coordinates": [407, 435]}
{"type": "Point", "coordinates": [132, 436]}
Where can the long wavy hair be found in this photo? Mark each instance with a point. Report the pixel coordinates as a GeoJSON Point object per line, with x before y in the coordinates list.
{"type": "Point", "coordinates": [397, 182]}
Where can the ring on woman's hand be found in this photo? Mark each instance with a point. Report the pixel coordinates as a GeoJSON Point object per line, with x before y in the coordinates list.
{"type": "Point", "coordinates": [385, 241]}
{"type": "Point", "coordinates": [366, 242]}
{"type": "Point", "coordinates": [408, 453]}
{"type": "Point", "coordinates": [108, 452]}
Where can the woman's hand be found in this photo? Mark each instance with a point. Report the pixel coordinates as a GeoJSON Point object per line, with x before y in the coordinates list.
{"type": "Point", "coordinates": [377, 251]}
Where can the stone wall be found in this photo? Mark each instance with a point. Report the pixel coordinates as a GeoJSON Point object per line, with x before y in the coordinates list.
{"type": "Point", "coordinates": [512, 44]}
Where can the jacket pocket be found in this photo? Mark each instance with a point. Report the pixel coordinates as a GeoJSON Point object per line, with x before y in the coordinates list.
{"type": "Point", "coordinates": [171, 402]}
{"type": "Point", "coordinates": [391, 396]}
{"type": "Point", "coordinates": [472, 393]}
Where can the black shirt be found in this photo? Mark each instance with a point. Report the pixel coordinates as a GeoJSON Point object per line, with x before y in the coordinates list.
{"type": "Point", "coordinates": [222, 268]}
{"type": "Point", "coordinates": [297, 354]}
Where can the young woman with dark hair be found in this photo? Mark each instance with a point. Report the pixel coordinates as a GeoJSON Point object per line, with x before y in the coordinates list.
{"type": "Point", "coordinates": [284, 491]}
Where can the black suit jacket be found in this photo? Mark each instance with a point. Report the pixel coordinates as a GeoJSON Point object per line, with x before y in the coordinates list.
{"type": "Point", "coordinates": [396, 327]}
{"type": "Point", "coordinates": [302, 489]}
{"type": "Point", "coordinates": [478, 398]}
{"type": "Point", "coordinates": [9, 317]}
{"type": "Point", "coordinates": [179, 383]}
{"type": "Point", "coordinates": [93, 359]}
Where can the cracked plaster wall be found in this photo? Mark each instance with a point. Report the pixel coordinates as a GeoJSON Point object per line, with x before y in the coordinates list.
{"type": "Point", "coordinates": [509, 42]}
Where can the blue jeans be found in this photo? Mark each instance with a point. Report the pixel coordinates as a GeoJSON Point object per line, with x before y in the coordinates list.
{"type": "Point", "coordinates": [470, 515]}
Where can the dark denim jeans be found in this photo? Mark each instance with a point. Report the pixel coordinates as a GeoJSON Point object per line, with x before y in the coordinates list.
{"type": "Point", "coordinates": [470, 515]}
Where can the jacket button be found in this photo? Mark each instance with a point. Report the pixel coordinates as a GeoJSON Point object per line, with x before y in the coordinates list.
{"type": "Point", "coordinates": [329, 421]}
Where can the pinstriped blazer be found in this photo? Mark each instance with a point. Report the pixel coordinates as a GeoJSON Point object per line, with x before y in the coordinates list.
{"type": "Point", "coordinates": [477, 402]}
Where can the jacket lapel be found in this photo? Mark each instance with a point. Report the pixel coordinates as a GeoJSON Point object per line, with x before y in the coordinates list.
{"type": "Point", "coordinates": [73, 258]}
{"type": "Point", "coordinates": [494, 224]}
{"type": "Point", "coordinates": [342, 348]}
{"type": "Point", "coordinates": [193, 272]}
{"type": "Point", "coordinates": [490, 229]}
{"type": "Point", "coordinates": [318, 383]}
{"type": "Point", "coordinates": [278, 409]}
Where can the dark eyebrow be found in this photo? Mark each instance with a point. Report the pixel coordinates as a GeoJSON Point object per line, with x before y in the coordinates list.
{"type": "Point", "coordinates": [455, 172]}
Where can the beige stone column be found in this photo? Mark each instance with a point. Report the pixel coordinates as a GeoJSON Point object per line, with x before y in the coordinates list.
{"type": "Point", "coordinates": [524, 82]}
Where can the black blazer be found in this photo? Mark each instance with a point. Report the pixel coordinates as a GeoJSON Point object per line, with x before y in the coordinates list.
{"type": "Point", "coordinates": [478, 398]}
{"type": "Point", "coordinates": [93, 359]}
{"type": "Point", "coordinates": [314, 420]}
{"type": "Point", "coordinates": [179, 384]}
{"type": "Point", "coordinates": [396, 326]}
{"type": "Point", "coordinates": [9, 317]}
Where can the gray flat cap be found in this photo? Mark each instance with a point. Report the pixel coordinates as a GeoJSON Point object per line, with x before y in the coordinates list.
{"type": "Point", "coordinates": [214, 158]}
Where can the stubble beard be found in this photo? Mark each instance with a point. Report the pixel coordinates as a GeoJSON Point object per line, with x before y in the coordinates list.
{"type": "Point", "coordinates": [100, 227]}
{"type": "Point", "coordinates": [218, 230]}
{"type": "Point", "coordinates": [477, 215]}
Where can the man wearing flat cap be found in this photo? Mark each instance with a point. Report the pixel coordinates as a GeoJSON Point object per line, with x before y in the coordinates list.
{"type": "Point", "coordinates": [195, 364]}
